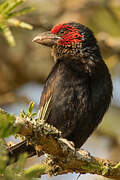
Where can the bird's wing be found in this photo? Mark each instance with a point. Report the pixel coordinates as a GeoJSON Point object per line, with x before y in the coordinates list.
{"type": "Point", "coordinates": [46, 97]}
{"type": "Point", "coordinates": [61, 99]}
{"type": "Point", "coordinates": [45, 106]}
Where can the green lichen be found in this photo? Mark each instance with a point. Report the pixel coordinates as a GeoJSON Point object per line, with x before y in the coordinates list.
{"type": "Point", "coordinates": [92, 167]}
{"type": "Point", "coordinates": [117, 166]}
{"type": "Point", "coordinates": [105, 171]}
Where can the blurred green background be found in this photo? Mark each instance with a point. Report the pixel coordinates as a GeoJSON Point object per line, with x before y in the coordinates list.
{"type": "Point", "coordinates": [24, 66]}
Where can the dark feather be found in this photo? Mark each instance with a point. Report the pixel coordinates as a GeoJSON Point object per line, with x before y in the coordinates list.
{"type": "Point", "coordinates": [80, 97]}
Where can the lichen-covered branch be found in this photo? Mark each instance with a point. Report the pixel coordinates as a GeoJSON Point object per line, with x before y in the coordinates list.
{"type": "Point", "coordinates": [62, 153]}
{"type": "Point", "coordinates": [62, 156]}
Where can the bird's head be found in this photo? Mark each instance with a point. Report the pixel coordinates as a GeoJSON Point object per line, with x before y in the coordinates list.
{"type": "Point", "coordinates": [68, 40]}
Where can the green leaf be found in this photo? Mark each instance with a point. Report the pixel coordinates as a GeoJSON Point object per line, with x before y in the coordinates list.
{"type": "Point", "coordinates": [35, 171]}
{"type": "Point", "coordinates": [16, 23]}
{"type": "Point", "coordinates": [44, 110]}
{"type": "Point", "coordinates": [23, 114]}
{"type": "Point", "coordinates": [6, 12]}
{"type": "Point", "coordinates": [117, 166]}
{"type": "Point", "coordinates": [21, 12]}
{"type": "Point", "coordinates": [6, 124]}
{"type": "Point", "coordinates": [3, 157]}
{"type": "Point", "coordinates": [30, 108]}
{"type": "Point", "coordinates": [7, 34]}
{"type": "Point", "coordinates": [33, 114]}
{"type": "Point", "coordinates": [3, 6]}
{"type": "Point", "coordinates": [12, 4]}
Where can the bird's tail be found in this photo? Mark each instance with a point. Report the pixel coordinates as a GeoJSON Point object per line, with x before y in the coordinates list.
{"type": "Point", "coordinates": [14, 152]}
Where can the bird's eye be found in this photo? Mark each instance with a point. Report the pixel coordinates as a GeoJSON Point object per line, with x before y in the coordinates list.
{"type": "Point", "coordinates": [62, 31]}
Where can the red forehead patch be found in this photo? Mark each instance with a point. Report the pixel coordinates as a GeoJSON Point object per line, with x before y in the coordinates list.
{"type": "Point", "coordinates": [71, 36]}
{"type": "Point", "coordinates": [57, 28]}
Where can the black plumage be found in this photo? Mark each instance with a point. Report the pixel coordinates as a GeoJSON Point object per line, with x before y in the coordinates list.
{"type": "Point", "coordinates": [79, 84]}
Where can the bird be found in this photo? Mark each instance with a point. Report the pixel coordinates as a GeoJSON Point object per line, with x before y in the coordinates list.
{"type": "Point", "coordinates": [79, 84]}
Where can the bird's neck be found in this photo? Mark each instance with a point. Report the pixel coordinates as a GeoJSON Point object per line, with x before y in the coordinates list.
{"type": "Point", "coordinates": [91, 66]}
{"type": "Point", "coordinates": [76, 66]}
{"type": "Point", "coordinates": [85, 52]}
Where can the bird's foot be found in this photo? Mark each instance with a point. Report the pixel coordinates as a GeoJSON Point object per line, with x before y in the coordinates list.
{"type": "Point", "coordinates": [69, 143]}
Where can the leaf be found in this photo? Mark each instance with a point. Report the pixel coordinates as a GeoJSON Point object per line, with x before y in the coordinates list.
{"type": "Point", "coordinates": [3, 157]}
{"type": "Point", "coordinates": [6, 12]}
{"type": "Point", "coordinates": [44, 110]}
{"type": "Point", "coordinates": [35, 171]}
{"type": "Point", "coordinates": [7, 34]}
{"type": "Point", "coordinates": [21, 12]}
{"type": "Point", "coordinates": [12, 4]}
{"type": "Point", "coordinates": [17, 23]}
{"type": "Point", "coordinates": [33, 114]}
{"type": "Point", "coordinates": [3, 6]}
{"type": "Point", "coordinates": [23, 114]}
{"type": "Point", "coordinates": [30, 108]}
{"type": "Point", "coordinates": [6, 124]}
{"type": "Point", "coordinates": [117, 166]}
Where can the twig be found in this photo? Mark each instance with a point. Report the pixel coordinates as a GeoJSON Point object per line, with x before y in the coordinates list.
{"type": "Point", "coordinates": [115, 139]}
{"type": "Point", "coordinates": [14, 151]}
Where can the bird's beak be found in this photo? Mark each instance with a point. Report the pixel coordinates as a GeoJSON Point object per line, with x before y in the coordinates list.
{"type": "Point", "coordinates": [46, 38]}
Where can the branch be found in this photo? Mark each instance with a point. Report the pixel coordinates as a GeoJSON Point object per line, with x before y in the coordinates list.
{"type": "Point", "coordinates": [114, 138]}
{"type": "Point", "coordinates": [48, 139]}
{"type": "Point", "coordinates": [109, 41]}
{"type": "Point", "coordinates": [14, 152]}
{"type": "Point", "coordinates": [63, 157]}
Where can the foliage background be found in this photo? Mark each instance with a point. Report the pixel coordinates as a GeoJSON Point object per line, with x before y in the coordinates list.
{"type": "Point", "coordinates": [25, 66]}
